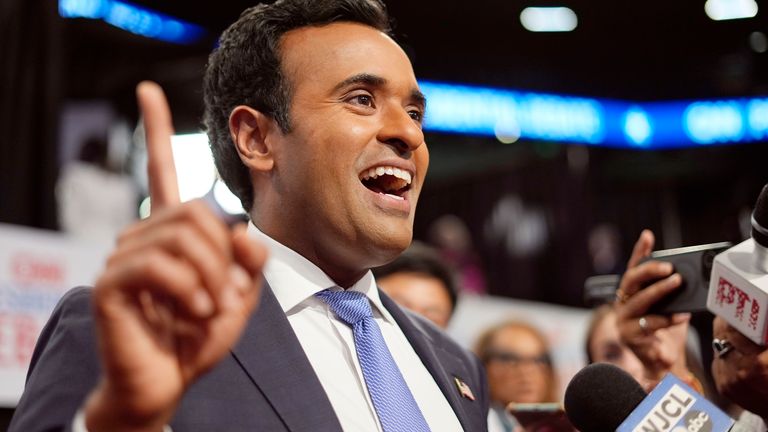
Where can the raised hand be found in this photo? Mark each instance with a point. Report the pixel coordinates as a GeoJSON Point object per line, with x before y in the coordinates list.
{"type": "Point", "coordinates": [741, 373]}
{"type": "Point", "coordinates": [174, 297]}
{"type": "Point", "coordinates": [657, 340]}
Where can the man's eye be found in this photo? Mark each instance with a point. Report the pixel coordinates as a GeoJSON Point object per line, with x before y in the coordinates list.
{"type": "Point", "coordinates": [365, 100]}
{"type": "Point", "coordinates": [416, 115]}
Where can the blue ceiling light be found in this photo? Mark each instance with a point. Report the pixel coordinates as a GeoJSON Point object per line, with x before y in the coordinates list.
{"type": "Point", "coordinates": [510, 115]}
{"type": "Point", "coordinates": [709, 122]}
{"type": "Point", "coordinates": [488, 111]}
{"type": "Point", "coordinates": [637, 126]}
{"type": "Point", "coordinates": [757, 118]}
{"type": "Point", "coordinates": [135, 19]}
{"type": "Point", "coordinates": [92, 9]}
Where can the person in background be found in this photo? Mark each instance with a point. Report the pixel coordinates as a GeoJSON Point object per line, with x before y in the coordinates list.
{"type": "Point", "coordinates": [450, 235]}
{"type": "Point", "coordinates": [740, 372]}
{"type": "Point", "coordinates": [519, 367]}
{"type": "Point", "coordinates": [95, 201]}
{"type": "Point", "coordinates": [603, 344]}
{"type": "Point", "coordinates": [658, 341]}
{"type": "Point", "coordinates": [420, 281]}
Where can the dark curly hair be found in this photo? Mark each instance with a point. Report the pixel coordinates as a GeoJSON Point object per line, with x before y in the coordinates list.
{"type": "Point", "coordinates": [245, 70]}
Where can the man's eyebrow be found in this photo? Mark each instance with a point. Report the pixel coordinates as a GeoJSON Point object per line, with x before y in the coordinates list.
{"type": "Point", "coordinates": [361, 78]}
{"type": "Point", "coordinates": [416, 96]}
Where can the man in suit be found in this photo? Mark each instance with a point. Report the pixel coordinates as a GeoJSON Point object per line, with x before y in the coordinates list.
{"type": "Point", "coordinates": [314, 116]}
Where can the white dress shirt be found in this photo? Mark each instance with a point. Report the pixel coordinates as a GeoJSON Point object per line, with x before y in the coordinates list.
{"type": "Point", "coordinates": [499, 420]}
{"type": "Point", "coordinates": [329, 343]}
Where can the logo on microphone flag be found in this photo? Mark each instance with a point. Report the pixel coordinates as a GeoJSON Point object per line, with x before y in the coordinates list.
{"type": "Point", "coordinates": [673, 406]}
{"type": "Point", "coordinates": [738, 291]}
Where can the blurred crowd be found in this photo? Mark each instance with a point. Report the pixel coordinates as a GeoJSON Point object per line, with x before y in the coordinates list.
{"type": "Point", "coordinates": [96, 201]}
{"type": "Point", "coordinates": [431, 279]}
{"type": "Point", "coordinates": [623, 332]}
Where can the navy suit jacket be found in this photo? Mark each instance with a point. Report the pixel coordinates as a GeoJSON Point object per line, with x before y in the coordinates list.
{"type": "Point", "coordinates": [266, 383]}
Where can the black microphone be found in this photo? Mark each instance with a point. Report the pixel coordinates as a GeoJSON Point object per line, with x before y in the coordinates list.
{"type": "Point", "coordinates": [600, 397]}
{"type": "Point", "coordinates": [760, 224]}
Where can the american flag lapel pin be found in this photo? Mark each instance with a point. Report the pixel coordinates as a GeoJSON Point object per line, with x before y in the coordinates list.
{"type": "Point", "coordinates": [464, 389]}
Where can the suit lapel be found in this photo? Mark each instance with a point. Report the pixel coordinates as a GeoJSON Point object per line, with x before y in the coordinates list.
{"type": "Point", "coordinates": [271, 354]}
{"type": "Point", "coordinates": [441, 364]}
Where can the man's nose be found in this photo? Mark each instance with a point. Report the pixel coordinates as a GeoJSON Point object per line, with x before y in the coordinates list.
{"type": "Point", "coordinates": [400, 130]}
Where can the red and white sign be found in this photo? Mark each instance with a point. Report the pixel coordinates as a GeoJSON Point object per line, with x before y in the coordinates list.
{"type": "Point", "coordinates": [36, 268]}
{"type": "Point", "coordinates": [738, 291]}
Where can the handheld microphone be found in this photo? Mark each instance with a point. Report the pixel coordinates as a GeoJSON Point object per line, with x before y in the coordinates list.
{"type": "Point", "coordinates": [602, 397]}
{"type": "Point", "coordinates": [738, 287]}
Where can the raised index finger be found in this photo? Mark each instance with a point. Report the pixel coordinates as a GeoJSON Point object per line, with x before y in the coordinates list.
{"type": "Point", "coordinates": [163, 185]}
{"type": "Point", "coordinates": [642, 249]}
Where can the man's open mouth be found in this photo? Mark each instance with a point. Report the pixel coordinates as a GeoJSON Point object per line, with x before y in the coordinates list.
{"type": "Point", "coordinates": [387, 180]}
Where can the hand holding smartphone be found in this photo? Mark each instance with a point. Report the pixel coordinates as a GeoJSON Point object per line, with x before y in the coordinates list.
{"type": "Point", "coordinates": [694, 264]}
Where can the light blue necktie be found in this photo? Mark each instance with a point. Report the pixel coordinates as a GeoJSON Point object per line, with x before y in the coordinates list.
{"type": "Point", "coordinates": [392, 399]}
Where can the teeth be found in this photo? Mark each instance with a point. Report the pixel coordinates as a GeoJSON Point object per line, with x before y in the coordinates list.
{"type": "Point", "coordinates": [389, 170]}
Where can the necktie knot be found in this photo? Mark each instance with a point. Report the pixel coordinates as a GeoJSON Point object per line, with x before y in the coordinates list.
{"type": "Point", "coordinates": [350, 306]}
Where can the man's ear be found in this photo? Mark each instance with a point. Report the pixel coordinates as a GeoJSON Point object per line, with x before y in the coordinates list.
{"type": "Point", "coordinates": [250, 130]}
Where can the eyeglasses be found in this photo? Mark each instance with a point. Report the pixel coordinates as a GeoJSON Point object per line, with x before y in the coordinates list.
{"type": "Point", "coordinates": [513, 359]}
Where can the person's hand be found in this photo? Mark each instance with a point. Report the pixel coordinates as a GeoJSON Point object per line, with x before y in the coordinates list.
{"type": "Point", "coordinates": [741, 373]}
{"type": "Point", "coordinates": [174, 297]}
{"type": "Point", "coordinates": [657, 340]}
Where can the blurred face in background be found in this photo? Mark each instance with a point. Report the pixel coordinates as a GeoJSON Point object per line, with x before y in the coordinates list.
{"type": "Point", "coordinates": [606, 347]}
{"type": "Point", "coordinates": [518, 368]}
{"type": "Point", "coordinates": [424, 294]}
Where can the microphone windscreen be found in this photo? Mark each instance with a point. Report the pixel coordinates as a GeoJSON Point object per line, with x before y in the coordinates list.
{"type": "Point", "coordinates": [600, 397]}
{"type": "Point", "coordinates": [760, 218]}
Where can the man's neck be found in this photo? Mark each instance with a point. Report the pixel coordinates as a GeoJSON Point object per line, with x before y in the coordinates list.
{"type": "Point", "coordinates": [344, 278]}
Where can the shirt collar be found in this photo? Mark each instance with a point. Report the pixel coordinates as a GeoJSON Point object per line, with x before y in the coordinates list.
{"type": "Point", "coordinates": [294, 279]}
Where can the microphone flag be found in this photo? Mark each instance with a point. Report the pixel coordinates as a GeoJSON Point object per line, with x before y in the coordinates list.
{"type": "Point", "coordinates": [675, 407]}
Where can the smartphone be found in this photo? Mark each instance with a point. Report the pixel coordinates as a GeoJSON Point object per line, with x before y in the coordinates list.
{"type": "Point", "coordinates": [541, 417]}
{"type": "Point", "coordinates": [694, 264]}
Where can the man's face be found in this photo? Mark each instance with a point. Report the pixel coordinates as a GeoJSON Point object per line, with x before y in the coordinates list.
{"type": "Point", "coordinates": [349, 172]}
{"type": "Point", "coordinates": [421, 293]}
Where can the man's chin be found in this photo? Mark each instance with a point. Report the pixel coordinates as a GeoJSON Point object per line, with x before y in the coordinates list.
{"type": "Point", "coordinates": [385, 248]}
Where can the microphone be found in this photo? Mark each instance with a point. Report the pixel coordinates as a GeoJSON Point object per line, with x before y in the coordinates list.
{"type": "Point", "coordinates": [602, 397]}
{"type": "Point", "coordinates": [738, 287]}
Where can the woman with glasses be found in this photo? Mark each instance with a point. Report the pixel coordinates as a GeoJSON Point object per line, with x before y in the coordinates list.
{"type": "Point", "coordinates": [517, 360]}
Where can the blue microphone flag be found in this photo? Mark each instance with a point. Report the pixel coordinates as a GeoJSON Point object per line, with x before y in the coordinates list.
{"type": "Point", "coordinates": [674, 407]}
